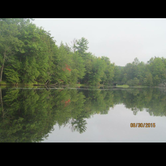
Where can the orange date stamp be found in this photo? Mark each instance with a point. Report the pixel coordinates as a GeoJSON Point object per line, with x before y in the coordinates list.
{"type": "Point", "coordinates": [146, 125]}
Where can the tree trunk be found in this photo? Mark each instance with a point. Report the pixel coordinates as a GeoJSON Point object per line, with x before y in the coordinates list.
{"type": "Point", "coordinates": [2, 66]}
{"type": "Point", "coordinates": [1, 102]}
{"type": "Point", "coordinates": [1, 72]}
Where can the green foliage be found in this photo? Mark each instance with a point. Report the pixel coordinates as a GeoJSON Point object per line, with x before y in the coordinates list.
{"type": "Point", "coordinates": [117, 74]}
{"type": "Point", "coordinates": [12, 70]}
{"type": "Point", "coordinates": [9, 42]}
{"type": "Point", "coordinates": [28, 54]}
{"type": "Point", "coordinates": [139, 73]}
{"type": "Point", "coordinates": [12, 76]}
{"type": "Point", "coordinates": [108, 71]}
{"type": "Point", "coordinates": [81, 45]}
{"type": "Point", "coordinates": [30, 70]}
{"type": "Point", "coordinates": [62, 66]}
{"type": "Point", "coordinates": [78, 63]}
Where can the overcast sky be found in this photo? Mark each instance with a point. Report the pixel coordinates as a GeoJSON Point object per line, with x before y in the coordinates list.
{"type": "Point", "coordinates": [119, 39]}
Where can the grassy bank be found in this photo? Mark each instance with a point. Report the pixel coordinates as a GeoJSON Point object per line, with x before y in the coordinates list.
{"type": "Point", "coordinates": [139, 86]}
{"type": "Point", "coordinates": [122, 86]}
{"type": "Point", "coordinates": [134, 86]}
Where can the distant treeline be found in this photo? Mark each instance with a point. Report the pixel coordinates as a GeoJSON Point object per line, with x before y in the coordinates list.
{"type": "Point", "coordinates": [153, 73]}
{"type": "Point", "coordinates": [29, 54]}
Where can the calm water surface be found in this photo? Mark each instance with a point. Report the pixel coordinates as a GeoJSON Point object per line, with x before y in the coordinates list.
{"type": "Point", "coordinates": [70, 114]}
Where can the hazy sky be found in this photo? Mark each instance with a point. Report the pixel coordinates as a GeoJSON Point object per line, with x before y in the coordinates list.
{"type": "Point", "coordinates": [119, 39]}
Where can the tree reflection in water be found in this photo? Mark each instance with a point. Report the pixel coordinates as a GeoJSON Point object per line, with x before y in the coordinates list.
{"type": "Point", "coordinates": [28, 115]}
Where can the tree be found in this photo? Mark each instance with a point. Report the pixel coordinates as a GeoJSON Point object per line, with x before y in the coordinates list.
{"type": "Point", "coordinates": [98, 67]}
{"type": "Point", "coordinates": [78, 68]}
{"type": "Point", "coordinates": [108, 72]}
{"type": "Point", "coordinates": [9, 42]}
{"type": "Point", "coordinates": [37, 59]}
{"type": "Point", "coordinates": [157, 69]}
{"type": "Point", "coordinates": [30, 35]}
{"type": "Point", "coordinates": [118, 74]}
{"type": "Point", "coordinates": [26, 52]}
{"type": "Point", "coordinates": [73, 45]}
{"type": "Point", "coordinates": [88, 60]}
{"type": "Point", "coordinates": [136, 61]}
{"type": "Point", "coordinates": [81, 45]}
{"type": "Point", "coordinates": [62, 62]}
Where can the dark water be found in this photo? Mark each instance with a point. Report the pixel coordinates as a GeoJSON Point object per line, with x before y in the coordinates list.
{"type": "Point", "coordinates": [57, 115]}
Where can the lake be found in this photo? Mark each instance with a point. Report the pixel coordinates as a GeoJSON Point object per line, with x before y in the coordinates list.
{"type": "Point", "coordinates": [36, 114]}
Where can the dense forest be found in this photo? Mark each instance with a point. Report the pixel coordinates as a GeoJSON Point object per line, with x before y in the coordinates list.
{"type": "Point", "coordinates": [29, 54]}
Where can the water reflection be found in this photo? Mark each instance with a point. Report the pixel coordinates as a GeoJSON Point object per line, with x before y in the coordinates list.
{"type": "Point", "coordinates": [28, 115]}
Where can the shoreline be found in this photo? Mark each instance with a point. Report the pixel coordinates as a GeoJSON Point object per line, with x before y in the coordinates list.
{"type": "Point", "coordinates": [77, 85]}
